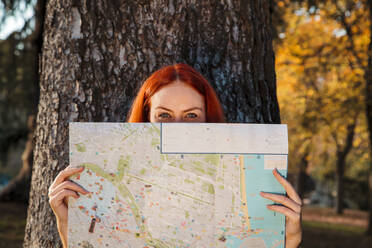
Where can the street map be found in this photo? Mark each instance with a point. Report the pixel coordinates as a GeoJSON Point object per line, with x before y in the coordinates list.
{"type": "Point", "coordinates": [176, 185]}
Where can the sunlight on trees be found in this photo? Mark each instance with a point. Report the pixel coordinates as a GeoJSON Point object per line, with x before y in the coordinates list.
{"type": "Point", "coordinates": [320, 76]}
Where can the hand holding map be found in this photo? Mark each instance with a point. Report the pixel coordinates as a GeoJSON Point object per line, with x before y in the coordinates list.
{"type": "Point", "coordinates": [59, 191]}
{"type": "Point", "coordinates": [291, 209]}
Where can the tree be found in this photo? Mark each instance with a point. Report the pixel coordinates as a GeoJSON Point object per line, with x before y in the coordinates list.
{"type": "Point", "coordinates": [368, 100]}
{"type": "Point", "coordinates": [354, 18]}
{"type": "Point", "coordinates": [19, 92]}
{"type": "Point", "coordinates": [97, 53]}
{"type": "Point", "coordinates": [320, 90]}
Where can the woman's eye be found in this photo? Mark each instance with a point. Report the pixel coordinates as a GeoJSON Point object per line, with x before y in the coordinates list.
{"type": "Point", "coordinates": [191, 116]}
{"type": "Point", "coordinates": [164, 116]}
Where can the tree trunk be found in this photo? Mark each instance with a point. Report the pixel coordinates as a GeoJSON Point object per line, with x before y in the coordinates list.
{"type": "Point", "coordinates": [339, 208]}
{"type": "Point", "coordinates": [97, 53]}
{"type": "Point", "coordinates": [342, 153]}
{"type": "Point", "coordinates": [368, 97]}
{"type": "Point", "coordinates": [301, 175]}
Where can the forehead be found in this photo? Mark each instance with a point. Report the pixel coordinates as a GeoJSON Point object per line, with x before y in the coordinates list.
{"type": "Point", "coordinates": [177, 95]}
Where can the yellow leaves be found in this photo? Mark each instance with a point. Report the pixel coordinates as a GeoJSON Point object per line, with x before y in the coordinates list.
{"type": "Point", "coordinates": [320, 81]}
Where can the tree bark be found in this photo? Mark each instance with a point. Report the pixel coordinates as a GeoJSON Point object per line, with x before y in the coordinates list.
{"type": "Point", "coordinates": [301, 174]}
{"type": "Point", "coordinates": [339, 208]}
{"type": "Point", "coordinates": [368, 97]}
{"type": "Point", "coordinates": [97, 53]}
{"type": "Point", "coordinates": [342, 152]}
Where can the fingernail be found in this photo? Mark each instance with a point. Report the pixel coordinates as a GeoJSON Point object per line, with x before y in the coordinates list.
{"type": "Point", "coordinates": [276, 171]}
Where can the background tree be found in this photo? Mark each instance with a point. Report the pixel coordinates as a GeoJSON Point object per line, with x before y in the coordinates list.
{"type": "Point", "coordinates": [19, 91]}
{"type": "Point", "coordinates": [97, 53]}
{"type": "Point", "coordinates": [320, 74]}
{"type": "Point", "coordinates": [368, 95]}
{"type": "Point", "coordinates": [355, 19]}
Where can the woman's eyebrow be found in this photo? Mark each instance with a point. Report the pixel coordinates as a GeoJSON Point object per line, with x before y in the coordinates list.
{"type": "Point", "coordinates": [160, 107]}
{"type": "Point", "coordinates": [193, 108]}
{"type": "Point", "coordinates": [186, 110]}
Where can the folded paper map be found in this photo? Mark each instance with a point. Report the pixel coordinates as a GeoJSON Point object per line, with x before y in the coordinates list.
{"type": "Point", "coordinates": [176, 185]}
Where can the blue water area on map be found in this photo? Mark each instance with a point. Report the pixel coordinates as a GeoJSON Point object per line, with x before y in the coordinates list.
{"type": "Point", "coordinates": [273, 224]}
{"type": "Point", "coordinates": [233, 242]}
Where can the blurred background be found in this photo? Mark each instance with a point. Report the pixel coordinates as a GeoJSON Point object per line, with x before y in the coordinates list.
{"type": "Point", "coordinates": [321, 58]}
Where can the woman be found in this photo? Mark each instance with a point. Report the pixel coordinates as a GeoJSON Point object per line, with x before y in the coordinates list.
{"type": "Point", "coordinates": [176, 93]}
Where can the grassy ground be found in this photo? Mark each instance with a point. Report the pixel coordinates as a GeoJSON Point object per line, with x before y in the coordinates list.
{"type": "Point", "coordinates": [325, 229]}
{"type": "Point", "coordinates": [12, 224]}
{"type": "Point", "coordinates": [322, 228]}
{"type": "Point", "coordinates": [327, 235]}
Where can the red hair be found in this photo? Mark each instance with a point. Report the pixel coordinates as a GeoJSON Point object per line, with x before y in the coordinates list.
{"type": "Point", "coordinates": [139, 111]}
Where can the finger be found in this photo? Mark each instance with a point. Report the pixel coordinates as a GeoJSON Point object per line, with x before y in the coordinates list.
{"type": "Point", "coordinates": [64, 174]}
{"type": "Point", "coordinates": [296, 217]}
{"type": "Point", "coordinates": [57, 199]}
{"type": "Point", "coordinates": [288, 187]}
{"type": "Point", "coordinates": [283, 200]}
{"type": "Point", "coordinates": [68, 185]}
